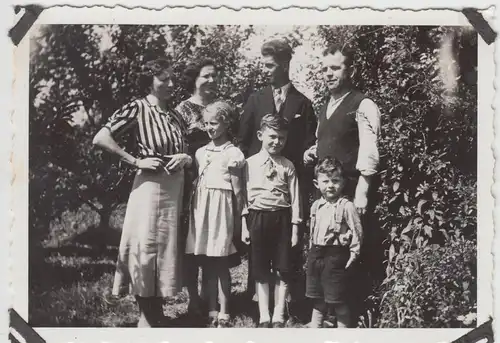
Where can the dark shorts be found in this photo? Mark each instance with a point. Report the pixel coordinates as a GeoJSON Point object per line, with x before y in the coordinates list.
{"type": "Point", "coordinates": [271, 247]}
{"type": "Point", "coordinates": [326, 275]}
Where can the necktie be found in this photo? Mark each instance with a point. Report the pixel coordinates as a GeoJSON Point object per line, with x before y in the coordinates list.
{"type": "Point", "coordinates": [271, 169]}
{"type": "Point", "coordinates": [278, 100]}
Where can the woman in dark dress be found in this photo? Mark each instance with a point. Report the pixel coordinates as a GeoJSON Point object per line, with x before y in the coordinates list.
{"type": "Point", "coordinates": [201, 81]}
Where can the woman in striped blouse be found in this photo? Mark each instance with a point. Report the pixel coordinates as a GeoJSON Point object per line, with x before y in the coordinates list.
{"type": "Point", "coordinates": [149, 255]}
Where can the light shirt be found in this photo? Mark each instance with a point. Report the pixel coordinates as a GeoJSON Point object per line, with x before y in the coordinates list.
{"type": "Point", "coordinates": [279, 95]}
{"type": "Point", "coordinates": [368, 119]}
{"type": "Point", "coordinates": [216, 164]}
{"type": "Point", "coordinates": [329, 226]}
{"type": "Point", "coordinates": [333, 104]}
{"type": "Point", "coordinates": [272, 185]}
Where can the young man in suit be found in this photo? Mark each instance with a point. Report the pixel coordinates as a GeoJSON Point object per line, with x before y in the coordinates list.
{"type": "Point", "coordinates": [349, 130]}
{"type": "Point", "coordinates": [282, 98]}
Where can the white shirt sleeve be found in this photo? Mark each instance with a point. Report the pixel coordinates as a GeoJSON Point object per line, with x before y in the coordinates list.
{"type": "Point", "coordinates": [368, 118]}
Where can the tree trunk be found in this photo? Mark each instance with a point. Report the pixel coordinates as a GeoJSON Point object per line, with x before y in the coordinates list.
{"type": "Point", "coordinates": [105, 237]}
{"type": "Point", "coordinates": [105, 216]}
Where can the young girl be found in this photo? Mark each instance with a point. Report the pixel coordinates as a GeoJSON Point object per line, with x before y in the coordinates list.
{"type": "Point", "coordinates": [217, 204]}
{"type": "Point", "coordinates": [336, 237]}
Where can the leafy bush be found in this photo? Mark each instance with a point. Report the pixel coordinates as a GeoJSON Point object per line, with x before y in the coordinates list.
{"type": "Point", "coordinates": [432, 286]}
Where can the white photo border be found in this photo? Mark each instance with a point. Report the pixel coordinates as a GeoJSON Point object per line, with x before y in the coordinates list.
{"type": "Point", "coordinates": [291, 16]}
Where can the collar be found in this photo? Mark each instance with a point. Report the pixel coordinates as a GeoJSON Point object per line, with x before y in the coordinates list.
{"type": "Point", "coordinates": [332, 101]}
{"type": "Point", "coordinates": [263, 156]}
{"type": "Point", "coordinates": [212, 147]}
{"type": "Point", "coordinates": [284, 89]}
{"type": "Point", "coordinates": [165, 110]}
{"type": "Point", "coordinates": [322, 201]}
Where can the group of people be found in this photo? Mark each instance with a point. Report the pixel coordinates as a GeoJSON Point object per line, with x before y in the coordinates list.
{"type": "Point", "coordinates": [209, 180]}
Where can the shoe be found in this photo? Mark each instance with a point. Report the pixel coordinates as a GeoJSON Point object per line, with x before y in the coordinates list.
{"type": "Point", "coordinates": [310, 326]}
{"type": "Point", "coordinates": [278, 325]}
{"type": "Point", "coordinates": [223, 323]}
{"type": "Point", "coordinates": [212, 322]}
{"type": "Point", "coordinates": [264, 325]}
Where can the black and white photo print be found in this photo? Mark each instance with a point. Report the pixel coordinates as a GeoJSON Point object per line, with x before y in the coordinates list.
{"type": "Point", "coordinates": [199, 168]}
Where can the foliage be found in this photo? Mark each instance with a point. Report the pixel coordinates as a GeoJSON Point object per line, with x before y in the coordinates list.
{"type": "Point", "coordinates": [65, 169]}
{"type": "Point", "coordinates": [427, 190]}
{"type": "Point", "coordinates": [432, 286]}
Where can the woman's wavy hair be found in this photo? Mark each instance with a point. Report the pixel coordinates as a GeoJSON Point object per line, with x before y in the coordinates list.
{"type": "Point", "coordinates": [192, 72]}
{"type": "Point", "coordinates": [226, 113]}
{"type": "Point", "coordinates": [150, 69]}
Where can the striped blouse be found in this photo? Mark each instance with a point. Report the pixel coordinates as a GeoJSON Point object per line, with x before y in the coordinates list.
{"type": "Point", "coordinates": [157, 133]}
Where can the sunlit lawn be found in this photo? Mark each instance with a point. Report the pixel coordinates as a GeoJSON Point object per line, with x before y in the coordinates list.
{"type": "Point", "coordinates": [73, 287]}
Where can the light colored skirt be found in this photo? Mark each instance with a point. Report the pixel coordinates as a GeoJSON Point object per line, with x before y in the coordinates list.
{"type": "Point", "coordinates": [211, 226]}
{"type": "Point", "coordinates": [150, 255]}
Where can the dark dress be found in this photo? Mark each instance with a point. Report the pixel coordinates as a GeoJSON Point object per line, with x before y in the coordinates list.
{"type": "Point", "coordinates": [196, 137]}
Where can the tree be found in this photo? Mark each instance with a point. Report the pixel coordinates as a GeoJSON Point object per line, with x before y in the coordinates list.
{"type": "Point", "coordinates": [84, 78]}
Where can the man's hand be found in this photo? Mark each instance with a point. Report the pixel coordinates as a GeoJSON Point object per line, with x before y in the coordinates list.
{"type": "Point", "coordinates": [310, 155]}
{"type": "Point", "coordinates": [360, 202]}
{"type": "Point", "coordinates": [361, 195]}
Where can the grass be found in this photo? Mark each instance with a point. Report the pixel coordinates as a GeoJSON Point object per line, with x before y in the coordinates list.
{"type": "Point", "coordinates": [70, 289]}
{"type": "Point", "coordinates": [71, 278]}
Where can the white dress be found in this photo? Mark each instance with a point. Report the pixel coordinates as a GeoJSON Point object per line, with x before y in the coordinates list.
{"type": "Point", "coordinates": [211, 224]}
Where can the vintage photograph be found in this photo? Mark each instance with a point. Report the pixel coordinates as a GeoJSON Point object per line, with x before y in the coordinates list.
{"type": "Point", "coordinates": [231, 176]}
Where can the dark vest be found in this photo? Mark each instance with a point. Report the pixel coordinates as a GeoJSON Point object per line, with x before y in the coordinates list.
{"type": "Point", "coordinates": [338, 135]}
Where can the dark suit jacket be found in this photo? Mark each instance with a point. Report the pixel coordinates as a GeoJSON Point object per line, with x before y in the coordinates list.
{"type": "Point", "coordinates": [297, 109]}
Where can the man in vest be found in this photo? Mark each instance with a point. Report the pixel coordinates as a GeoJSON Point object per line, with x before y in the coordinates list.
{"type": "Point", "coordinates": [348, 126]}
{"type": "Point", "coordinates": [282, 98]}
{"type": "Point", "coordinates": [349, 130]}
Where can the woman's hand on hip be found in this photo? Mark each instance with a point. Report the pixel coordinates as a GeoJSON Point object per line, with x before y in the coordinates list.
{"type": "Point", "coordinates": [177, 161]}
{"type": "Point", "coordinates": [149, 163]}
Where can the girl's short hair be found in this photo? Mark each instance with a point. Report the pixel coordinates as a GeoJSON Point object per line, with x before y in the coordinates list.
{"type": "Point", "coordinates": [152, 68]}
{"type": "Point", "coordinates": [192, 72]}
{"type": "Point", "coordinates": [329, 166]}
{"type": "Point", "coordinates": [224, 112]}
{"type": "Point", "coordinates": [273, 121]}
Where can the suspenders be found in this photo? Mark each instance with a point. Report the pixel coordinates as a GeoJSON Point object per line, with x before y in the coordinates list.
{"type": "Point", "coordinates": [338, 218]}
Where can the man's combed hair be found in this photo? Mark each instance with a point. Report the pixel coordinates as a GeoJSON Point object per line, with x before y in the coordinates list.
{"type": "Point", "coordinates": [329, 166]}
{"type": "Point", "coordinates": [273, 121]}
{"type": "Point", "coordinates": [279, 49]}
{"type": "Point", "coordinates": [345, 49]}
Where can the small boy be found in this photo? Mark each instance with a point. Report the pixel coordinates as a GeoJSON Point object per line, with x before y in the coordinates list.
{"type": "Point", "coordinates": [335, 240]}
{"type": "Point", "coordinates": [272, 219]}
